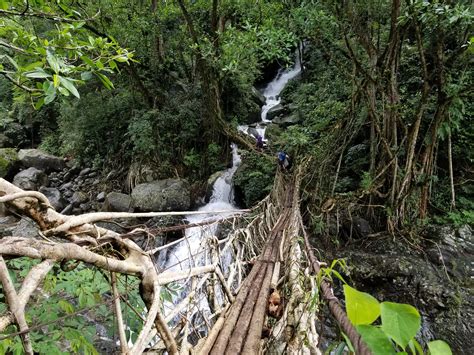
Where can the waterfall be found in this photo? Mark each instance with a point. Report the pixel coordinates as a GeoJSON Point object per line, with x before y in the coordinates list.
{"type": "Point", "coordinates": [192, 251]}
{"type": "Point", "coordinates": [272, 94]}
{"type": "Point", "coordinates": [222, 199]}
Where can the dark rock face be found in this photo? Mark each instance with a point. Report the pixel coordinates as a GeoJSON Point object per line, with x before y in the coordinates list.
{"type": "Point", "coordinates": [30, 179]}
{"type": "Point", "coordinates": [162, 195]}
{"type": "Point", "coordinates": [117, 202]}
{"type": "Point", "coordinates": [55, 198]}
{"type": "Point", "coordinates": [258, 97]}
{"type": "Point", "coordinates": [40, 160]}
{"type": "Point", "coordinates": [436, 277]}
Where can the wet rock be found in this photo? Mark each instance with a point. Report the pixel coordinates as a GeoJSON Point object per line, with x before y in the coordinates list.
{"type": "Point", "coordinates": [117, 202]}
{"type": "Point", "coordinates": [55, 198]}
{"type": "Point", "coordinates": [38, 159]}
{"type": "Point", "coordinates": [436, 278]}
{"type": "Point", "coordinates": [162, 195]}
{"type": "Point", "coordinates": [100, 197]}
{"type": "Point", "coordinates": [85, 171]}
{"type": "Point", "coordinates": [275, 111]}
{"type": "Point", "coordinates": [79, 197]}
{"type": "Point", "coordinates": [68, 209]}
{"type": "Point", "coordinates": [30, 179]}
{"type": "Point", "coordinates": [66, 186]}
{"type": "Point", "coordinates": [258, 97]}
{"type": "Point", "coordinates": [356, 227]}
{"type": "Point", "coordinates": [253, 131]}
{"type": "Point", "coordinates": [85, 207]}
{"type": "Point", "coordinates": [8, 162]}
{"type": "Point", "coordinates": [452, 250]}
{"type": "Point", "coordinates": [285, 121]}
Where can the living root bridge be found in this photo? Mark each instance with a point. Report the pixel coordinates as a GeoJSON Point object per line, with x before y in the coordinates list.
{"type": "Point", "coordinates": [267, 239]}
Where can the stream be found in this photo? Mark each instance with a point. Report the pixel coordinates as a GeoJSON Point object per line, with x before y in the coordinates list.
{"type": "Point", "coordinates": [193, 250]}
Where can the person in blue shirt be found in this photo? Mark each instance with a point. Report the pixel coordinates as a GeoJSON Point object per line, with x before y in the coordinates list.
{"type": "Point", "coordinates": [284, 160]}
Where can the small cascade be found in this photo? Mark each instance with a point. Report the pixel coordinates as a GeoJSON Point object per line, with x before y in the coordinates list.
{"type": "Point", "coordinates": [272, 95]}
{"type": "Point", "coordinates": [222, 199]}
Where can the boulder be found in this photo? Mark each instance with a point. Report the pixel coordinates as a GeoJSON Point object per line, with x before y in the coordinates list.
{"type": "Point", "coordinates": [54, 196]}
{"type": "Point", "coordinates": [117, 202]}
{"type": "Point", "coordinates": [289, 120]}
{"type": "Point", "coordinates": [8, 162]}
{"type": "Point", "coordinates": [7, 225]}
{"type": "Point", "coordinates": [78, 198]}
{"type": "Point", "coordinates": [38, 159]}
{"type": "Point", "coordinates": [275, 111]}
{"type": "Point", "coordinates": [100, 197]}
{"type": "Point", "coordinates": [26, 228]}
{"type": "Point", "coordinates": [30, 179]}
{"type": "Point", "coordinates": [258, 97]}
{"type": "Point", "coordinates": [162, 195]}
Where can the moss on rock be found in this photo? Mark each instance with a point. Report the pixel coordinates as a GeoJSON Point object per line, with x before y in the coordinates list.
{"type": "Point", "coordinates": [8, 159]}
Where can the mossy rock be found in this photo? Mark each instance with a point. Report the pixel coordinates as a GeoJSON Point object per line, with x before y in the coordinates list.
{"type": "Point", "coordinates": [253, 179]}
{"type": "Point", "coordinates": [8, 161]}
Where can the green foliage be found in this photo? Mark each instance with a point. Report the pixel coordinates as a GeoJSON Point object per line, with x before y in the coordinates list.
{"type": "Point", "coordinates": [439, 347]}
{"type": "Point", "coordinates": [399, 324]}
{"type": "Point", "coordinates": [367, 181]}
{"type": "Point", "coordinates": [141, 133]}
{"type": "Point", "coordinates": [361, 307]}
{"type": "Point", "coordinates": [66, 293]}
{"type": "Point", "coordinates": [47, 50]}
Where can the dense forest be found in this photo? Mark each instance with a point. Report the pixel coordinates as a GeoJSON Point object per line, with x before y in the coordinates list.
{"type": "Point", "coordinates": [379, 120]}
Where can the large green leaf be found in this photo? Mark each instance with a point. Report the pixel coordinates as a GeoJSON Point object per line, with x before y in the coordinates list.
{"type": "Point", "coordinates": [401, 322]}
{"type": "Point", "coordinates": [53, 62]}
{"type": "Point", "coordinates": [361, 307]}
{"type": "Point", "coordinates": [376, 339]}
{"type": "Point", "coordinates": [68, 84]}
{"type": "Point", "coordinates": [439, 347]}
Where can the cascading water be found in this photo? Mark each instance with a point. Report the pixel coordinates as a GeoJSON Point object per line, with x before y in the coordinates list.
{"type": "Point", "coordinates": [272, 95]}
{"type": "Point", "coordinates": [193, 251]}
{"type": "Point", "coordinates": [222, 199]}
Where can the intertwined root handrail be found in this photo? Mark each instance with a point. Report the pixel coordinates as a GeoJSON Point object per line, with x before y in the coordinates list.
{"type": "Point", "coordinates": [232, 277]}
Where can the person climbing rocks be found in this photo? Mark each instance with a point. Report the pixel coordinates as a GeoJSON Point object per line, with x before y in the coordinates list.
{"type": "Point", "coordinates": [259, 142]}
{"type": "Point", "coordinates": [284, 161]}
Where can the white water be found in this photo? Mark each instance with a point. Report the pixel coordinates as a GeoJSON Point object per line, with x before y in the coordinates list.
{"type": "Point", "coordinates": [222, 199]}
{"type": "Point", "coordinates": [272, 95]}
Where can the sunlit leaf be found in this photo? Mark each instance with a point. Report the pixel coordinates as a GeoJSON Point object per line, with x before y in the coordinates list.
{"type": "Point", "coordinates": [439, 347]}
{"type": "Point", "coordinates": [362, 308]}
{"type": "Point", "coordinates": [68, 84]}
{"type": "Point", "coordinates": [401, 322]}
